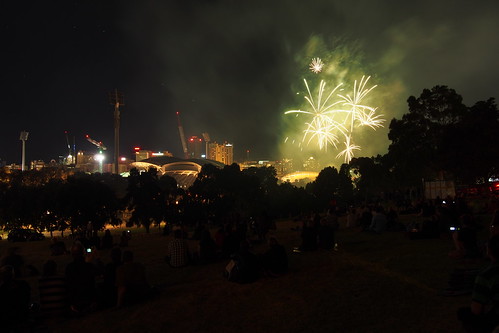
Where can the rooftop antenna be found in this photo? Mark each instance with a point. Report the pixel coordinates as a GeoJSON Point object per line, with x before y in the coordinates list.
{"type": "Point", "coordinates": [116, 99]}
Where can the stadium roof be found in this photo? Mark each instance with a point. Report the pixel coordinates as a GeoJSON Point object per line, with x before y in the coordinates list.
{"type": "Point", "coordinates": [185, 171]}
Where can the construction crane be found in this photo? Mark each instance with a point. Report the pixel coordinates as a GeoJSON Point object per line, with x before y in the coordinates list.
{"type": "Point", "coordinates": [71, 158]}
{"type": "Point", "coordinates": [182, 136]}
{"type": "Point", "coordinates": [99, 157]}
{"type": "Point", "coordinates": [98, 144]}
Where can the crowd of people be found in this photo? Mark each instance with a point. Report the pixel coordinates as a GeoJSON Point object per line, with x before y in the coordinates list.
{"type": "Point", "coordinates": [89, 284]}
{"type": "Point", "coordinates": [86, 285]}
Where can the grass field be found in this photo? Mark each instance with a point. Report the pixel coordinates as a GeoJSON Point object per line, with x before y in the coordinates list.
{"type": "Point", "coordinates": [373, 283]}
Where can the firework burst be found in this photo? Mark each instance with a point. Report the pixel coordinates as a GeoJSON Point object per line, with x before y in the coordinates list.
{"type": "Point", "coordinates": [335, 116]}
{"type": "Point", "coordinates": [316, 65]}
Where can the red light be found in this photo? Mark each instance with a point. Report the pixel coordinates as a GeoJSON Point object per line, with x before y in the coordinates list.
{"type": "Point", "coordinates": [192, 139]}
{"type": "Point", "coordinates": [136, 148]}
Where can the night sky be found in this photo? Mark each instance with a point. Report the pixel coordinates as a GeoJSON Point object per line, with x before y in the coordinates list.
{"type": "Point", "coordinates": [231, 68]}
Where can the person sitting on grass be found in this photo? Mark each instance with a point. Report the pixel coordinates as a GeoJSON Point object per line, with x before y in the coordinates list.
{"type": "Point", "coordinates": [274, 260]}
{"type": "Point", "coordinates": [107, 240]}
{"type": "Point", "coordinates": [15, 295]}
{"type": "Point", "coordinates": [109, 292]}
{"type": "Point", "coordinates": [53, 293]}
{"type": "Point", "coordinates": [131, 281]}
{"type": "Point", "coordinates": [57, 248]}
{"type": "Point", "coordinates": [325, 235]}
{"type": "Point", "coordinates": [465, 240]}
{"type": "Point", "coordinates": [80, 278]}
{"type": "Point", "coordinates": [483, 314]}
{"type": "Point", "coordinates": [15, 260]}
{"type": "Point", "coordinates": [178, 250]}
{"type": "Point", "coordinates": [207, 247]}
{"type": "Point", "coordinates": [244, 266]}
{"type": "Point", "coordinates": [494, 224]}
{"type": "Point", "coordinates": [308, 236]}
{"type": "Point", "coordinates": [378, 221]}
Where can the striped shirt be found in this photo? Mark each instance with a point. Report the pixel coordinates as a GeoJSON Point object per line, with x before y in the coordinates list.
{"type": "Point", "coordinates": [53, 295]}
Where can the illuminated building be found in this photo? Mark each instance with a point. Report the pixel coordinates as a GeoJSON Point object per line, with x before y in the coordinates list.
{"type": "Point", "coordinates": [311, 164]}
{"type": "Point", "coordinates": [195, 147]}
{"type": "Point", "coordinates": [90, 162]}
{"type": "Point", "coordinates": [223, 153]}
{"type": "Point", "coordinates": [141, 154]}
{"type": "Point", "coordinates": [37, 165]}
{"type": "Point", "coordinates": [281, 167]}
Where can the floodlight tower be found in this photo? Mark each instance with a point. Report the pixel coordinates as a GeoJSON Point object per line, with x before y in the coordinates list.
{"type": "Point", "coordinates": [207, 141]}
{"type": "Point", "coordinates": [116, 99]}
{"type": "Point", "coordinates": [23, 138]}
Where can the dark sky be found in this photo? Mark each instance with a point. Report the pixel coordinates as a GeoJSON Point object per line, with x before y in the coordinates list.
{"type": "Point", "coordinates": [230, 67]}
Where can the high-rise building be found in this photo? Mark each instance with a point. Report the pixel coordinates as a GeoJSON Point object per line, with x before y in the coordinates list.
{"type": "Point", "coordinates": [195, 147]}
{"type": "Point", "coordinates": [141, 154]}
{"type": "Point", "coordinates": [223, 153]}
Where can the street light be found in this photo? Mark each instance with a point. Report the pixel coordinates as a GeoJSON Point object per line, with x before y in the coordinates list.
{"type": "Point", "coordinates": [23, 138]}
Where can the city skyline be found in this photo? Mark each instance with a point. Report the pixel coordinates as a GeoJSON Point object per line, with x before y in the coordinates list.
{"type": "Point", "coordinates": [231, 70]}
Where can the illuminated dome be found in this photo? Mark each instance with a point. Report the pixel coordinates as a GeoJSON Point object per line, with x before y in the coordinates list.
{"type": "Point", "coordinates": [183, 171]}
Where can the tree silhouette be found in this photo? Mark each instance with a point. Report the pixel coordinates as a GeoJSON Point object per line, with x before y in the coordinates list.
{"type": "Point", "coordinates": [418, 138]}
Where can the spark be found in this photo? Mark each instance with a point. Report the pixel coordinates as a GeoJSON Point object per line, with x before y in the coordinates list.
{"type": "Point", "coordinates": [348, 151]}
{"type": "Point", "coordinates": [316, 65]}
{"type": "Point", "coordinates": [336, 115]}
{"type": "Point", "coordinates": [323, 126]}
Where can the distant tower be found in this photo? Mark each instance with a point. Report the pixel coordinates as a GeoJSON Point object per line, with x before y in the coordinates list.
{"type": "Point", "coordinates": [195, 145]}
{"type": "Point", "coordinates": [116, 99]}
{"type": "Point", "coordinates": [23, 138]}
{"type": "Point", "coordinates": [207, 141]}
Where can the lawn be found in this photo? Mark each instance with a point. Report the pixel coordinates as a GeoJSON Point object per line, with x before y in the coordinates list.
{"type": "Point", "coordinates": [373, 283]}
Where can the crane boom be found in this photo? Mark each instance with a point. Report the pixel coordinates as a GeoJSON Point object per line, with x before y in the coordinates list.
{"type": "Point", "coordinates": [96, 143]}
{"type": "Point", "coordinates": [182, 136]}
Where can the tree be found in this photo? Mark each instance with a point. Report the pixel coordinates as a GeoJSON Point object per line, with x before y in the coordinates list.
{"type": "Point", "coordinates": [325, 188]}
{"type": "Point", "coordinates": [85, 198]}
{"type": "Point", "coordinates": [145, 198]}
{"type": "Point", "coordinates": [469, 147]}
{"type": "Point", "coordinates": [372, 178]}
{"type": "Point", "coordinates": [418, 138]}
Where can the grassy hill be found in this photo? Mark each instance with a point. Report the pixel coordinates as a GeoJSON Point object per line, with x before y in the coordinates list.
{"type": "Point", "coordinates": [373, 283]}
